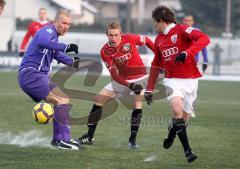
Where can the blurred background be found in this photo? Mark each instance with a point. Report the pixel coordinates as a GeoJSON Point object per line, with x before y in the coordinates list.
{"type": "Point", "coordinates": [217, 18]}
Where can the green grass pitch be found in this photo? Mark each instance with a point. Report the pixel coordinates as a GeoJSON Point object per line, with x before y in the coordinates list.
{"type": "Point", "coordinates": [214, 134]}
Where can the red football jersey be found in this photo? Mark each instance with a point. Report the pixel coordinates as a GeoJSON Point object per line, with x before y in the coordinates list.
{"type": "Point", "coordinates": [125, 58]}
{"type": "Point", "coordinates": [33, 27]}
{"type": "Point", "coordinates": [179, 38]}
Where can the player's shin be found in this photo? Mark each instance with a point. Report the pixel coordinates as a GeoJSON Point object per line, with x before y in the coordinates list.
{"type": "Point", "coordinates": [94, 117]}
{"type": "Point", "coordinates": [181, 131]}
{"type": "Point", "coordinates": [171, 130]}
{"type": "Point", "coordinates": [61, 123]}
{"type": "Point", "coordinates": [135, 123]}
{"type": "Point", "coordinates": [168, 141]}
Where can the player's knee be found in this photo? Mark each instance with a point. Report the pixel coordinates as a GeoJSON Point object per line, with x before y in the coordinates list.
{"type": "Point", "coordinates": [63, 100]}
{"type": "Point", "coordinates": [186, 116]}
{"type": "Point", "coordinates": [178, 111]}
{"type": "Point", "coordinates": [137, 105]}
{"type": "Point", "coordinates": [177, 103]}
{"type": "Point", "coordinates": [139, 98]}
{"type": "Point", "coordinates": [100, 99]}
{"type": "Point", "coordinates": [97, 98]}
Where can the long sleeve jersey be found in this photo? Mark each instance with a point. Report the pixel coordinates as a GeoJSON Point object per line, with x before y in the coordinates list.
{"type": "Point", "coordinates": [43, 48]}
{"type": "Point", "coordinates": [124, 62]}
{"type": "Point", "coordinates": [169, 44]}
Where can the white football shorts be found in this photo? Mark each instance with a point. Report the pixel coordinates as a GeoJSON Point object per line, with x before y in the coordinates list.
{"type": "Point", "coordinates": [122, 90]}
{"type": "Point", "coordinates": [184, 88]}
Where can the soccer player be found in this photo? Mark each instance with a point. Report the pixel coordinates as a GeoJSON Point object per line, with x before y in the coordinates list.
{"type": "Point", "coordinates": [2, 5]}
{"type": "Point", "coordinates": [176, 55]}
{"type": "Point", "coordinates": [189, 21]}
{"type": "Point", "coordinates": [33, 75]}
{"type": "Point", "coordinates": [33, 27]}
{"type": "Point", "coordinates": [128, 73]}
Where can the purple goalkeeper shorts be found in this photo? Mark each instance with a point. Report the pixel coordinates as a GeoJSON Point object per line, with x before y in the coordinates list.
{"type": "Point", "coordinates": [36, 84]}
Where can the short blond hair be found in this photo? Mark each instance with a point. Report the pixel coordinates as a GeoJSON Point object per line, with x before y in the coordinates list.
{"type": "Point", "coordinates": [113, 25]}
{"type": "Point", "coordinates": [62, 12]}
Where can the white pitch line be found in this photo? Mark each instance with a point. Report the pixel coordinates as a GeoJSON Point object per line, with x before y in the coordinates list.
{"type": "Point", "coordinates": [151, 158]}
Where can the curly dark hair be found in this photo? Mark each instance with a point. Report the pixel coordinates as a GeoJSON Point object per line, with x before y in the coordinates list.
{"type": "Point", "coordinates": [163, 13]}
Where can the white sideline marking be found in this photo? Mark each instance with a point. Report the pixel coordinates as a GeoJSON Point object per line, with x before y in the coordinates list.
{"type": "Point", "coordinates": [23, 139]}
{"type": "Point", "coordinates": [151, 158]}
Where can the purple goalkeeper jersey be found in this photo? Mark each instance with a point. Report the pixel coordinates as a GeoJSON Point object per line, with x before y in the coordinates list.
{"type": "Point", "coordinates": [43, 48]}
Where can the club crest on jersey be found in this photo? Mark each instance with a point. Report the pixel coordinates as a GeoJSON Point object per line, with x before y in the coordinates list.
{"type": "Point", "coordinates": [125, 48]}
{"type": "Point", "coordinates": [174, 38]}
{"type": "Point", "coordinates": [49, 30]}
{"type": "Point", "coordinates": [189, 29]}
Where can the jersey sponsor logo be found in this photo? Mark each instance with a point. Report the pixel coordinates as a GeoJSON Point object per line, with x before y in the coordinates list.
{"type": "Point", "coordinates": [125, 48]}
{"type": "Point", "coordinates": [189, 29]}
{"type": "Point", "coordinates": [123, 58]}
{"type": "Point", "coordinates": [174, 38]}
{"type": "Point", "coordinates": [49, 30]}
{"type": "Point", "coordinates": [169, 52]}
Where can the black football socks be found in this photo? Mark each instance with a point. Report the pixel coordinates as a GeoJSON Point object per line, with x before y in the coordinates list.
{"type": "Point", "coordinates": [94, 117]}
{"type": "Point", "coordinates": [135, 122]}
{"type": "Point", "coordinates": [181, 131]}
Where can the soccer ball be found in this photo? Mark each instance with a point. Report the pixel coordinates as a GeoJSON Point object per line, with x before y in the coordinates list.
{"type": "Point", "coordinates": [43, 113]}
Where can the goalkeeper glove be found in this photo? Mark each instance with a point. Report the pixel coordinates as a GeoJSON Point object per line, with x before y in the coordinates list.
{"type": "Point", "coordinates": [72, 48]}
{"type": "Point", "coordinates": [136, 88]}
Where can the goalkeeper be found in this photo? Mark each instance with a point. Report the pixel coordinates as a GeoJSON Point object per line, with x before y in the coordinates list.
{"type": "Point", "coordinates": [33, 75]}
